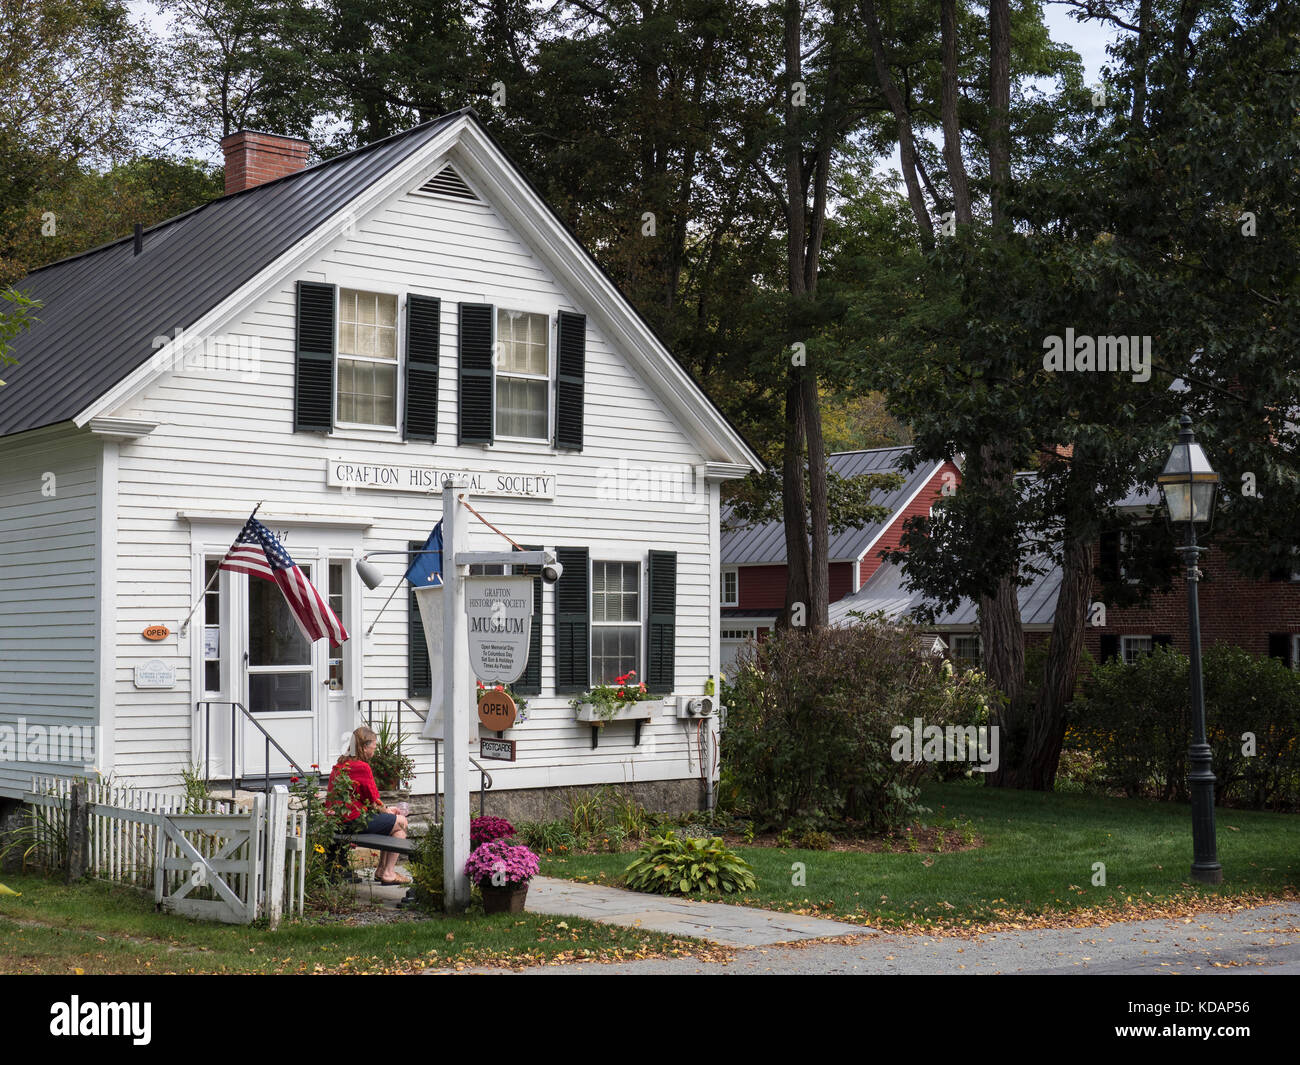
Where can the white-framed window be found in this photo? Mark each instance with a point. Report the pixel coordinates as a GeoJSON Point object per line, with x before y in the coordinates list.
{"type": "Point", "coordinates": [212, 627]}
{"type": "Point", "coordinates": [966, 649]}
{"type": "Point", "coordinates": [338, 581]}
{"type": "Point", "coordinates": [615, 620]}
{"type": "Point", "coordinates": [523, 375]}
{"type": "Point", "coordinates": [737, 634]}
{"type": "Point", "coordinates": [1134, 647]}
{"type": "Point", "coordinates": [730, 590]}
{"type": "Point", "coordinates": [1295, 651]}
{"type": "Point", "coordinates": [367, 359]}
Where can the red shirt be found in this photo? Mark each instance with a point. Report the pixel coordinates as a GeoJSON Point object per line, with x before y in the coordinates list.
{"type": "Point", "coordinates": [363, 783]}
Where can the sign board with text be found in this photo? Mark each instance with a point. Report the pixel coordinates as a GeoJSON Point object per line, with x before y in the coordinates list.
{"type": "Point", "coordinates": [499, 616]}
{"type": "Point", "coordinates": [396, 477]}
{"type": "Point", "coordinates": [501, 750]}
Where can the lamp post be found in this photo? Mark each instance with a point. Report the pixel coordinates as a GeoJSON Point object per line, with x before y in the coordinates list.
{"type": "Point", "coordinates": [1188, 486]}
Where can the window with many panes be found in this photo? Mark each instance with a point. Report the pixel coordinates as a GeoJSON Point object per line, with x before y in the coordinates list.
{"type": "Point", "coordinates": [212, 627]}
{"type": "Point", "coordinates": [523, 375]}
{"type": "Point", "coordinates": [730, 587]}
{"type": "Point", "coordinates": [338, 572]}
{"type": "Point", "coordinates": [966, 650]}
{"type": "Point", "coordinates": [615, 620]}
{"type": "Point", "coordinates": [1133, 647]}
{"type": "Point", "coordinates": [367, 359]}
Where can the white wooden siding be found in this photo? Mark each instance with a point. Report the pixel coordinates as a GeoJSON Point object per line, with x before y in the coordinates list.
{"type": "Point", "coordinates": [48, 589]}
{"type": "Point", "coordinates": [224, 443]}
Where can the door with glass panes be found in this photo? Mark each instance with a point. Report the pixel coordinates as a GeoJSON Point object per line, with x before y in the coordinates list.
{"type": "Point", "coordinates": [283, 678]}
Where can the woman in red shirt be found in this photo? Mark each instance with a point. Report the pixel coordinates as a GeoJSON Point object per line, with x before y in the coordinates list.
{"type": "Point", "coordinates": [366, 812]}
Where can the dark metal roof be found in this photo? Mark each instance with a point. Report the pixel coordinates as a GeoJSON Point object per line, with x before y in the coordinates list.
{"type": "Point", "coordinates": [758, 544]}
{"type": "Point", "coordinates": [101, 309]}
{"type": "Point", "coordinates": [886, 591]}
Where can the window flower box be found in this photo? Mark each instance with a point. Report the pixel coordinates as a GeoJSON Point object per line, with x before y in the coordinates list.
{"type": "Point", "coordinates": [589, 713]}
{"type": "Point", "coordinates": [624, 700]}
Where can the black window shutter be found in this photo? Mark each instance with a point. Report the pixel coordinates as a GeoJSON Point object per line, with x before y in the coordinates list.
{"type": "Point", "coordinates": [313, 398]}
{"type": "Point", "coordinates": [530, 681]}
{"type": "Point", "coordinates": [1109, 648]}
{"type": "Point", "coordinates": [573, 621]}
{"type": "Point", "coordinates": [661, 622]}
{"type": "Point", "coordinates": [1108, 556]}
{"type": "Point", "coordinates": [1279, 646]}
{"type": "Point", "coordinates": [423, 325]}
{"type": "Point", "coordinates": [1162, 640]}
{"type": "Point", "coordinates": [570, 380]}
{"type": "Point", "coordinates": [419, 682]}
{"type": "Point", "coordinates": [477, 420]}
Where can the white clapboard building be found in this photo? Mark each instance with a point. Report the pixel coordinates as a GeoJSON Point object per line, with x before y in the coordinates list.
{"type": "Point", "coordinates": [329, 342]}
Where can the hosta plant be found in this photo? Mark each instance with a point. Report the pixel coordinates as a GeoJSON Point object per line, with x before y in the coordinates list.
{"type": "Point", "coordinates": [672, 865]}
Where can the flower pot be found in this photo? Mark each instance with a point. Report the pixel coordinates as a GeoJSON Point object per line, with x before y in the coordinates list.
{"type": "Point", "coordinates": [642, 711]}
{"type": "Point", "coordinates": [506, 899]}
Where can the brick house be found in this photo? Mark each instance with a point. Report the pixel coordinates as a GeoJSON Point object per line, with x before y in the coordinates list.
{"type": "Point", "coordinates": [752, 591]}
{"type": "Point", "coordinates": [1259, 616]}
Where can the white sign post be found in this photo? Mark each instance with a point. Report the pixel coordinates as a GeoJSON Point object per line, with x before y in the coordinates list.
{"type": "Point", "coordinates": [499, 613]}
{"type": "Point", "coordinates": [457, 700]}
{"type": "Point", "coordinates": [455, 706]}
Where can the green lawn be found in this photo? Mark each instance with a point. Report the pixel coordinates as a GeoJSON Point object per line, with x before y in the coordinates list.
{"type": "Point", "coordinates": [1036, 863]}
{"type": "Point", "coordinates": [97, 928]}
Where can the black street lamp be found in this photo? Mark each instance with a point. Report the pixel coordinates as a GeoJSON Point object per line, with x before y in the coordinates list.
{"type": "Point", "coordinates": [1188, 486]}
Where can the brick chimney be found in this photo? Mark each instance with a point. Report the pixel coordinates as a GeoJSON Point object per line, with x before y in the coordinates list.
{"type": "Point", "coordinates": [255, 158]}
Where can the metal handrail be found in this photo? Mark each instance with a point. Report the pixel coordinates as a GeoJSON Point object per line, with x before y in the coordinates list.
{"type": "Point", "coordinates": [205, 705]}
{"type": "Point", "coordinates": [484, 777]}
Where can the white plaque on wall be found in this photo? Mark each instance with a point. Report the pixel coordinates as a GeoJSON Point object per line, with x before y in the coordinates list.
{"type": "Point", "coordinates": [155, 674]}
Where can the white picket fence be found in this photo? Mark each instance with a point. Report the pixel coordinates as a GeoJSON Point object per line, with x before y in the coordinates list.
{"type": "Point", "coordinates": [201, 857]}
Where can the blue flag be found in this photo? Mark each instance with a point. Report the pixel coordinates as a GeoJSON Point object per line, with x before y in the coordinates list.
{"type": "Point", "coordinates": [426, 570]}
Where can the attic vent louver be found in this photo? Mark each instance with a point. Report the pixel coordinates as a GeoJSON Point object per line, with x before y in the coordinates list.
{"type": "Point", "coordinates": [448, 183]}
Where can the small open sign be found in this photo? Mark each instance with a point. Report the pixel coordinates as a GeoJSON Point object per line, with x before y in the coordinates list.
{"type": "Point", "coordinates": [156, 632]}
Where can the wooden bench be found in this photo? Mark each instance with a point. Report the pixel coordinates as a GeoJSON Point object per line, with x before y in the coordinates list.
{"type": "Point", "coordinates": [371, 841]}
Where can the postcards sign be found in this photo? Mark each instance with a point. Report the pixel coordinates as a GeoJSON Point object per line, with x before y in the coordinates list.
{"type": "Point", "coordinates": [394, 477]}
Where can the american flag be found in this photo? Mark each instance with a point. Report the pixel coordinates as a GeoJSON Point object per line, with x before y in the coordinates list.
{"type": "Point", "coordinates": [258, 552]}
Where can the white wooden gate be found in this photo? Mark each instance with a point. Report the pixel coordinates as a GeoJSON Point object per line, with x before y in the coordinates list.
{"type": "Point", "coordinates": [203, 858]}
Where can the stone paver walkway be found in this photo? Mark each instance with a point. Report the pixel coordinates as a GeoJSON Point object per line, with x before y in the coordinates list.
{"type": "Point", "coordinates": [720, 922]}
{"type": "Point", "coordinates": [1265, 939]}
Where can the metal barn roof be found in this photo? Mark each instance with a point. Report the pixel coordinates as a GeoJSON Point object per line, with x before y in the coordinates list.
{"type": "Point", "coordinates": [758, 544]}
{"type": "Point", "coordinates": [886, 592]}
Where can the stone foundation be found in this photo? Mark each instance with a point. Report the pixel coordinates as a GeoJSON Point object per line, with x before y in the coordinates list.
{"type": "Point", "coordinates": [547, 804]}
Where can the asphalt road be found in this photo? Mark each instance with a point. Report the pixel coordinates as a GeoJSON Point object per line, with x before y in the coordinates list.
{"type": "Point", "coordinates": [1256, 941]}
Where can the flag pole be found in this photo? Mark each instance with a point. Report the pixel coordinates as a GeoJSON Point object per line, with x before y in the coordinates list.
{"type": "Point", "coordinates": [216, 573]}
{"type": "Point", "coordinates": [384, 607]}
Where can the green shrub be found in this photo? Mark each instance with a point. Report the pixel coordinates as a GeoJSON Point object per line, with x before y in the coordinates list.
{"type": "Point", "coordinates": [808, 739]}
{"type": "Point", "coordinates": [816, 841]}
{"type": "Point", "coordinates": [544, 837]}
{"type": "Point", "coordinates": [392, 767]}
{"type": "Point", "coordinates": [1136, 720]}
{"type": "Point", "coordinates": [671, 865]}
{"type": "Point", "coordinates": [326, 860]}
{"type": "Point", "coordinates": [426, 870]}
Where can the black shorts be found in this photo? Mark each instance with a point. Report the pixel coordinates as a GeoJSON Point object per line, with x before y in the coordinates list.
{"type": "Point", "coordinates": [379, 825]}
